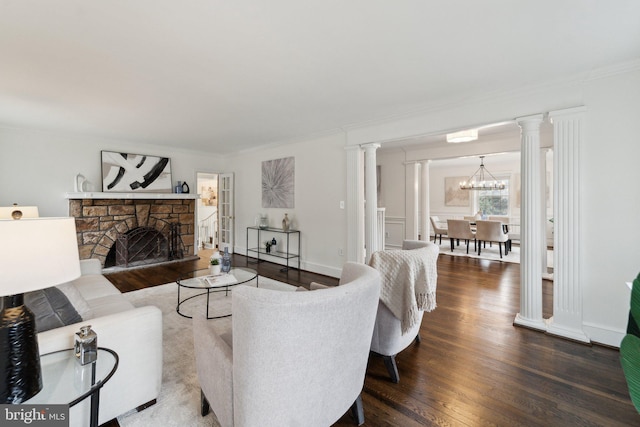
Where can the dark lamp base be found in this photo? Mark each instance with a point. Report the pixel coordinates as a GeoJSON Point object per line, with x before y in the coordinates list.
{"type": "Point", "coordinates": [20, 376]}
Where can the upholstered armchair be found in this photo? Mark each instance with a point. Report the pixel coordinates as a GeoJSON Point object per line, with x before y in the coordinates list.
{"type": "Point", "coordinates": [492, 231]}
{"type": "Point", "coordinates": [290, 358]}
{"type": "Point", "coordinates": [438, 228]}
{"type": "Point", "coordinates": [389, 339]}
{"type": "Point", "coordinates": [460, 229]}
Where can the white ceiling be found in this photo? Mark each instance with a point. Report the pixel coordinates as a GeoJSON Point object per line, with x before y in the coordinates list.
{"type": "Point", "coordinates": [229, 75]}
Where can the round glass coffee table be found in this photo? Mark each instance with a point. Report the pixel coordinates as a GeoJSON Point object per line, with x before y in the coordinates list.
{"type": "Point", "coordinates": [202, 280]}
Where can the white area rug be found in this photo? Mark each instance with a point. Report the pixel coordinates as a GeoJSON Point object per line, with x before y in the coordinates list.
{"type": "Point", "coordinates": [179, 400]}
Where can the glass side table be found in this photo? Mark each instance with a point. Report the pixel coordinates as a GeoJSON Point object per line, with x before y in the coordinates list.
{"type": "Point", "coordinates": [65, 381]}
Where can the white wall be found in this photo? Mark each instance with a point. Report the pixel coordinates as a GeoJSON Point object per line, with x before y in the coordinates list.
{"type": "Point", "coordinates": [38, 168]}
{"type": "Point", "coordinates": [320, 176]}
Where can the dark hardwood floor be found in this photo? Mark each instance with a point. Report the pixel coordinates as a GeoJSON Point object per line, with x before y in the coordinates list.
{"type": "Point", "coordinates": [473, 367]}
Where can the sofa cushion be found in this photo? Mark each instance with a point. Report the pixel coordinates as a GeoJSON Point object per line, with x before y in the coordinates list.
{"type": "Point", "coordinates": [51, 308]}
{"type": "Point", "coordinates": [76, 299]}
{"type": "Point", "coordinates": [109, 304]}
{"type": "Point", "coordinates": [94, 286]}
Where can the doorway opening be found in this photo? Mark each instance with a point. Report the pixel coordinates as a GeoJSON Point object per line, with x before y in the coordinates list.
{"type": "Point", "coordinates": [207, 210]}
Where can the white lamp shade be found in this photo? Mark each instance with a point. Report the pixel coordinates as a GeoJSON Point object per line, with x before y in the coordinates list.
{"type": "Point", "coordinates": [37, 253]}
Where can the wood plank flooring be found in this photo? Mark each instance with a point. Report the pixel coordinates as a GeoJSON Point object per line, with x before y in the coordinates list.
{"type": "Point", "coordinates": [473, 367]}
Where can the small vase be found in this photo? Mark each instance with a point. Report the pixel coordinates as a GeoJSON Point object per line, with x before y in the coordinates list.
{"type": "Point", "coordinates": [285, 223]}
{"type": "Point", "coordinates": [263, 222]}
{"type": "Point", "coordinates": [214, 270]}
{"type": "Point", "coordinates": [226, 261]}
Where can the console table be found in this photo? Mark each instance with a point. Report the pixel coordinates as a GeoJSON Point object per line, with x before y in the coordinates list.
{"type": "Point", "coordinates": [274, 232]}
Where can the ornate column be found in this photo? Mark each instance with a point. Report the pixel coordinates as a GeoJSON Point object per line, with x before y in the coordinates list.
{"type": "Point", "coordinates": [355, 204]}
{"type": "Point", "coordinates": [568, 135]}
{"type": "Point", "coordinates": [424, 199]}
{"type": "Point", "coordinates": [371, 200]}
{"type": "Point", "coordinates": [531, 239]}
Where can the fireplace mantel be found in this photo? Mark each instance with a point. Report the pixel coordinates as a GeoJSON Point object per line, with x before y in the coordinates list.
{"type": "Point", "coordinates": [139, 196]}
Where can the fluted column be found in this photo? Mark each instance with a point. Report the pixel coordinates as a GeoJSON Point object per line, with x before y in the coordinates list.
{"type": "Point", "coordinates": [355, 204]}
{"type": "Point", "coordinates": [371, 203]}
{"type": "Point", "coordinates": [530, 219]}
{"type": "Point", "coordinates": [424, 199]}
{"type": "Point", "coordinates": [568, 134]}
{"type": "Point", "coordinates": [543, 209]}
{"type": "Point", "coordinates": [412, 202]}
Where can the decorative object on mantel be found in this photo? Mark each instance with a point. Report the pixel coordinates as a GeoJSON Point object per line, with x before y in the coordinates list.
{"type": "Point", "coordinates": [285, 222]}
{"type": "Point", "coordinates": [181, 187]}
{"type": "Point", "coordinates": [278, 183]}
{"type": "Point", "coordinates": [56, 237]}
{"type": "Point", "coordinates": [477, 181]}
{"type": "Point", "coordinates": [17, 212]}
{"type": "Point", "coordinates": [81, 184]}
{"type": "Point", "coordinates": [125, 172]}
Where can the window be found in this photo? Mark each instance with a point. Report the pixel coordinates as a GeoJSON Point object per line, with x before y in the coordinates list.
{"type": "Point", "coordinates": [494, 202]}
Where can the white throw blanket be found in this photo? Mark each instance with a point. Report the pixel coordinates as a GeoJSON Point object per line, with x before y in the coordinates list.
{"type": "Point", "coordinates": [409, 280]}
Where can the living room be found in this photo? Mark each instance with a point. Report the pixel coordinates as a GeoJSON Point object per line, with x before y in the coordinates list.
{"type": "Point", "coordinates": [45, 145]}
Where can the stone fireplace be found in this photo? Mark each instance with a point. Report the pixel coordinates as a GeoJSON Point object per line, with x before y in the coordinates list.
{"type": "Point", "coordinates": [122, 231]}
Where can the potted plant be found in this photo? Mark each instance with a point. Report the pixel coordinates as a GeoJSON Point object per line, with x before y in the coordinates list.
{"type": "Point", "coordinates": [214, 266]}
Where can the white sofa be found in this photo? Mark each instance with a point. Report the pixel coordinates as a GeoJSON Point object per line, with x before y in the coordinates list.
{"type": "Point", "coordinates": [134, 333]}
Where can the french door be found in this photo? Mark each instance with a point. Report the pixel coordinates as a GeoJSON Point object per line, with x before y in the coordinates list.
{"type": "Point", "coordinates": [225, 209]}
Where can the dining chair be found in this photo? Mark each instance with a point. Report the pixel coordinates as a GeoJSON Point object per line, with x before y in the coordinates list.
{"type": "Point", "coordinates": [460, 229]}
{"type": "Point", "coordinates": [438, 228]}
{"type": "Point", "coordinates": [491, 231]}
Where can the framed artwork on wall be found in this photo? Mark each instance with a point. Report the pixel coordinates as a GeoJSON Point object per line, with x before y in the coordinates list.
{"type": "Point", "coordinates": [125, 173]}
{"type": "Point", "coordinates": [453, 195]}
{"type": "Point", "coordinates": [278, 178]}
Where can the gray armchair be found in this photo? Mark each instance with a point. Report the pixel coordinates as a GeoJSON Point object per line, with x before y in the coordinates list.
{"type": "Point", "coordinates": [388, 336]}
{"type": "Point", "coordinates": [290, 358]}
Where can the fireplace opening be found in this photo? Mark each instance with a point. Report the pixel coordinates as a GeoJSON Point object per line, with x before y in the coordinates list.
{"type": "Point", "coordinates": [145, 245]}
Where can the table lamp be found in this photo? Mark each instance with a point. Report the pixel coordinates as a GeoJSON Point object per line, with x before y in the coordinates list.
{"type": "Point", "coordinates": [17, 212]}
{"type": "Point", "coordinates": [35, 253]}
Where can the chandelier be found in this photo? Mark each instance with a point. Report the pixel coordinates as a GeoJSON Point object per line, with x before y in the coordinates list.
{"type": "Point", "coordinates": [477, 181]}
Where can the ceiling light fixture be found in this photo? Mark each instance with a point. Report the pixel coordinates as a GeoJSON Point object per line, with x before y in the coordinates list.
{"type": "Point", "coordinates": [477, 181]}
{"type": "Point", "coordinates": [462, 136]}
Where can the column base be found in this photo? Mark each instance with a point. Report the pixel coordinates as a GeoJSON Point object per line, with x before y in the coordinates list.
{"type": "Point", "coordinates": [539, 325]}
{"type": "Point", "coordinates": [569, 333]}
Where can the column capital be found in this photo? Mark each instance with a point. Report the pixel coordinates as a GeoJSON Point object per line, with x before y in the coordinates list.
{"type": "Point", "coordinates": [370, 146]}
{"type": "Point", "coordinates": [567, 112]}
{"type": "Point", "coordinates": [353, 148]}
{"type": "Point", "coordinates": [530, 121]}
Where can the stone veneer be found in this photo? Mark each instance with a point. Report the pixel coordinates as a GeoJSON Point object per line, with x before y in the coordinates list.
{"type": "Point", "coordinates": [100, 221]}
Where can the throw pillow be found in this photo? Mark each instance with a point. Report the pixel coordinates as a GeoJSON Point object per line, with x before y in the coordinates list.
{"type": "Point", "coordinates": [51, 308]}
{"type": "Point", "coordinates": [77, 300]}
